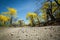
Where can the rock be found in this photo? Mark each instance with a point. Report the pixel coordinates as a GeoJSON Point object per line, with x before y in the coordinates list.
{"type": "Point", "coordinates": [51, 35]}
{"type": "Point", "coordinates": [19, 39]}
{"type": "Point", "coordinates": [45, 28]}
{"type": "Point", "coordinates": [26, 35]}
{"type": "Point", "coordinates": [11, 34]}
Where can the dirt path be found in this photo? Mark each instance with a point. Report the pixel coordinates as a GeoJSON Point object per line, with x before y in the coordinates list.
{"type": "Point", "coordinates": [30, 33]}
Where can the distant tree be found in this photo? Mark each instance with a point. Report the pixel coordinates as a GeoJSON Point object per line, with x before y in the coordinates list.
{"type": "Point", "coordinates": [32, 17]}
{"type": "Point", "coordinates": [50, 8]}
{"type": "Point", "coordinates": [4, 19]}
{"type": "Point", "coordinates": [21, 23]}
{"type": "Point", "coordinates": [11, 13]}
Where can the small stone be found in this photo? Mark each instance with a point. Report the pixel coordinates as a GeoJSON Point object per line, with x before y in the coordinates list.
{"type": "Point", "coordinates": [45, 28]}
{"type": "Point", "coordinates": [11, 34]}
{"type": "Point", "coordinates": [26, 35]}
{"type": "Point", "coordinates": [50, 35]}
{"type": "Point", "coordinates": [19, 39]}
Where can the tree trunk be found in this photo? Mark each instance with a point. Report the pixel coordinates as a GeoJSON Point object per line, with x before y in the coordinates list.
{"type": "Point", "coordinates": [38, 21]}
{"type": "Point", "coordinates": [49, 14]}
{"type": "Point", "coordinates": [11, 21]}
{"type": "Point", "coordinates": [32, 20]}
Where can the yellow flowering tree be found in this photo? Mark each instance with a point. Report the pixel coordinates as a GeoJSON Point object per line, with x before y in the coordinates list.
{"type": "Point", "coordinates": [50, 8]}
{"type": "Point", "coordinates": [12, 13]}
{"type": "Point", "coordinates": [46, 6]}
{"type": "Point", "coordinates": [32, 16]}
{"type": "Point", "coordinates": [4, 19]}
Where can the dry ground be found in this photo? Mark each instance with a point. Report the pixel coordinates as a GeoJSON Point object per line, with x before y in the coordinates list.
{"type": "Point", "coordinates": [30, 33]}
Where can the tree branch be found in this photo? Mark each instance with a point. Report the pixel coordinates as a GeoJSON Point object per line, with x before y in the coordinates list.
{"type": "Point", "coordinates": [57, 2]}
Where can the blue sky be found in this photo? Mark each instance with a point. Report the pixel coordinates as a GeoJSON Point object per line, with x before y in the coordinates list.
{"type": "Point", "coordinates": [22, 7]}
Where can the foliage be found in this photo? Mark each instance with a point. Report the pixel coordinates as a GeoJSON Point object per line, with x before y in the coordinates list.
{"type": "Point", "coordinates": [9, 15]}
{"type": "Point", "coordinates": [4, 19]}
{"type": "Point", "coordinates": [47, 5]}
{"type": "Point", "coordinates": [31, 16]}
{"type": "Point", "coordinates": [11, 12]}
{"type": "Point", "coordinates": [44, 16]}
